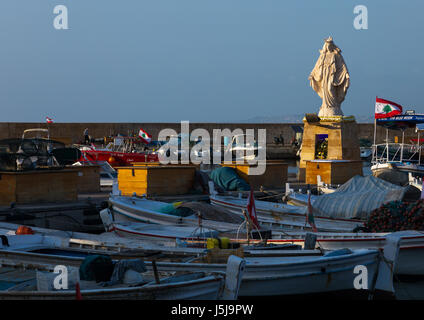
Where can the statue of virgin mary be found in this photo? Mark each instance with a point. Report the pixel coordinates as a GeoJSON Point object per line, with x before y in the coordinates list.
{"type": "Point", "coordinates": [330, 79]}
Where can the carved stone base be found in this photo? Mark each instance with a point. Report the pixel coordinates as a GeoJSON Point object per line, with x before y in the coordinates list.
{"type": "Point", "coordinates": [343, 140]}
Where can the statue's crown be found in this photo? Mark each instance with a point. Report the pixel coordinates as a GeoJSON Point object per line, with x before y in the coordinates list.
{"type": "Point", "coordinates": [329, 39]}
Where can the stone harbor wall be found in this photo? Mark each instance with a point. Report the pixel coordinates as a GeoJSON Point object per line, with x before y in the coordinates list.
{"type": "Point", "coordinates": [73, 132]}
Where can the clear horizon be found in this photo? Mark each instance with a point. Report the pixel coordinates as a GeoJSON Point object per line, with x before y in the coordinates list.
{"type": "Point", "coordinates": [201, 61]}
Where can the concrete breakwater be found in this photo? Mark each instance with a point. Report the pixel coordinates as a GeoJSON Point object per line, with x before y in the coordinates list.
{"type": "Point", "coordinates": [73, 132]}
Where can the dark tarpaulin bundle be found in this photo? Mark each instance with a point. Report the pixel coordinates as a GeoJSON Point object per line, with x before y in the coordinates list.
{"type": "Point", "coordinates": [123, 266]}
{"type": "Point", "coordinates": [96, 268]}
{"type": "Point", "coordinates": [227, 179]}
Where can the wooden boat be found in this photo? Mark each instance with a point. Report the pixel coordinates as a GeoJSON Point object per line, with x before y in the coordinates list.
{"type": "Point", "coordinates": [267, 273]}
{"type": "Point", "coordinates": [148, 211]}
{"type": "Point", "coordinates": [334, 271]}
{"type": "Point", "coordinates": [77, 244]}
{"type": "Point", "coordinates": [167, 234]}
{"type": "Point", "coordinates": [197, 286]}
{"type": "Point", "coordinates": [24, 253]}
{"type": "Point", "coordinates": [411, 253]}
{"type": "Point", "coordinates": [279, 216]}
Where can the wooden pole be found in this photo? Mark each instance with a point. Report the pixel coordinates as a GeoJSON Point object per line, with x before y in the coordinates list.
{"type": "Point", "coordinates": [155, 271]}
{"type": "Point", "coordinates": [374, 147]}
{"type": "Point", "coordinates": [247, 226]}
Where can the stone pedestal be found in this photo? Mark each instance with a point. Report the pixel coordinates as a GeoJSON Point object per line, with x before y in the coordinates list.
{"type": "Point", "coordinates": [342, 136]}
{"type": "Point", "coordinates": [332, 171]}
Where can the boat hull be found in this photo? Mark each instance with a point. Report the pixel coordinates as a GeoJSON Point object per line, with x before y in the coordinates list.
{"type": "Point", "coordinates": [411, 252]}
{"type": "Point", "coordinates": [119, 158]}
{"type": "Point", "coordinates": [206, 288]}
{"type": "Point", "coordinates": [278, 216]}
{"type": "Point", "coordinates": [126, 209]}
{"type": "Point", "coordinates": [279, 276]}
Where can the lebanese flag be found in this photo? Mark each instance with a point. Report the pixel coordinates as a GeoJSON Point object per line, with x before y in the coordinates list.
{"type": "Point", "coordinates": [386, 108]}
{"type": "Point", "coordinates": [252, 209]}
{"type": "Point", "coordinates": [49, 120]}
{"type": "Point", "coordinates": [144, 136]}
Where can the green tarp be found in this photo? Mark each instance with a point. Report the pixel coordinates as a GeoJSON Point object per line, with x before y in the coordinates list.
{"type": "Point", "coordinates": [227, 179]}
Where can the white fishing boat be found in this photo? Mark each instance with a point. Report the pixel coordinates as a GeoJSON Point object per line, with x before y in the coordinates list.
{"type": "Point", "coordinates": [291, 275]}
{"type": "Point", "coordinates": [195, 286]}
{"type": "Point", "coordinates": [394, 161]}
{"type": "Point", "coordinates": [166, 234]}
{"type": "Point", "coordinates": [411, 253]}
{"type": "Point", "coordinates": [136, 209]}
{"type": "Point", "coordinates": [280, 216]}
{"type": "Point", "coordinates": [22, 257]}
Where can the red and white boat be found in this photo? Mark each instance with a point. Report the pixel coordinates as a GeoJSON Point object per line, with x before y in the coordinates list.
{"type": "Point", "coordinates": [122, 152]}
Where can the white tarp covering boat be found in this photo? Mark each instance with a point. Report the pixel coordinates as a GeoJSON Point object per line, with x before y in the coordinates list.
{"type": "Point", "coordinates": [357, 198]}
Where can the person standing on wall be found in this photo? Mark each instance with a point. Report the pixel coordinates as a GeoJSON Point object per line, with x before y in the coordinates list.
{"type": "Point", "coordinates": [86, 137]}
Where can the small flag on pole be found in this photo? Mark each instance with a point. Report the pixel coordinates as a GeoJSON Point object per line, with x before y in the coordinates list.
{"type": "Point", "coordinates": [309, 216]}
{"type": "Point", "coordinates": [145, 137]}
{"type": "Point", "coordinates": [49, 120]}
{"type": "Point", "coordinates": [252, 209]}
{"type": "Point", "coordinates": [78, 295]}
{"type": "Point", "coordinates": [386, 108]}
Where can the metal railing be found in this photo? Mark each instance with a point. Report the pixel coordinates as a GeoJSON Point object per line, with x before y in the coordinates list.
{"type": "Point", "coordinates": [396, 152]}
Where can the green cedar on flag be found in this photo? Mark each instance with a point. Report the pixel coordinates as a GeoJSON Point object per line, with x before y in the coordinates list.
{"type": "Point", "coordinates": [144, 136]}
{"type": "Point", "coordinates": [386, 108]}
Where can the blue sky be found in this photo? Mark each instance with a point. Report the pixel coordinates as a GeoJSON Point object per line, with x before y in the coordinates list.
{"type": "Point", "coordinates": [200, 60]}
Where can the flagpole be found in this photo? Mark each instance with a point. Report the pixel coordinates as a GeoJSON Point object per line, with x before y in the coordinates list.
{"type": "Point", "coordinates": [374, 149]}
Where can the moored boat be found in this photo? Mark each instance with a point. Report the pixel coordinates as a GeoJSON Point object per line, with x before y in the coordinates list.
{"type": "Point", "coordinates": [279, 216]}
{"type": "Point", "coordinates": [334, 271]}
{"type": "Point", "coordinates": [136, 209]}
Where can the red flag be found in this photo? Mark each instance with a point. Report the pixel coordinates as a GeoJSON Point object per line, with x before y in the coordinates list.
{"type": "Point", "coordinates": [78, 295]}
{"type": "Point", "coordinates": [252, 209]}
{"type": "Point", "coordinates": [309, 215]}
{"type": "Point", "coordinates": [49, 120]}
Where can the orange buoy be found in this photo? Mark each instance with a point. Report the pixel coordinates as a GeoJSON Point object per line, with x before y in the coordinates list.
{"type": "Point", "coordinates": [24, 230]}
